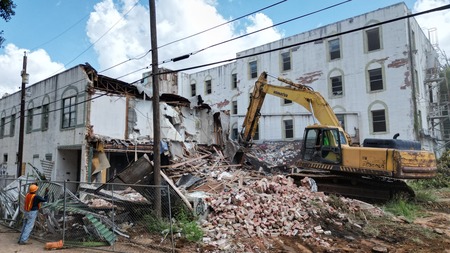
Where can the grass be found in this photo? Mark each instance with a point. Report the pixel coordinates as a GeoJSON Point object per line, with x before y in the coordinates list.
{"type": "Point", "coordinates": [403, 207]}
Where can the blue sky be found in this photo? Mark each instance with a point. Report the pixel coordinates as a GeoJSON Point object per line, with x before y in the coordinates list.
{"type": "Point", "coordinates": [59, 34]}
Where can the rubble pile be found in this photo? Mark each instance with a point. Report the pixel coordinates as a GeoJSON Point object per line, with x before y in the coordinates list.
{"type": "Point", "coordinates": [271, 207]}
{"type": "Point", "coordinates": [275, 154]}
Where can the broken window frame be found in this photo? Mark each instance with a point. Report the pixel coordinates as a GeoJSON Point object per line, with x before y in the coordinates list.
{"type": "Point", "coordinates": [379, 121]}
{"type": "Point", "coordinates": [45, 117]}
{"type": "Point", "coordinates": [373, 39]}
{"type": "Point", "coordinates": [193, 89]}
{"type": "Point", "coordinates": [334, 49]}
{"type": "Point", "coordinates": [68, 119]}
{"type": "Point", "coordinates": [253, 69]}
{"type": "Point", "coordinates": [234, 109]}
{"type": "Point", "coordinates": [288, 127]}
{"type": "Point", "coordinates": [2, 127]}
{"type": "Point", "coordinates": [30, 116]}
{"type": "Point", "coordinates": [12, 126]}
{"type": "Point", "coordinates": [376, 79]}
{"type": "Point", "coordinates": [286, 61]}
{"type": "Point", "coordinates": [337, 88]}
{"type": "Point", "coordinates": [208, 86]}
{"type": "Point", "coordinates": [234, 81]}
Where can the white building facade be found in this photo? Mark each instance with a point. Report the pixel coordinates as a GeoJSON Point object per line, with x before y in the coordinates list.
{"type": "Point", "coordinates": [377, 80]}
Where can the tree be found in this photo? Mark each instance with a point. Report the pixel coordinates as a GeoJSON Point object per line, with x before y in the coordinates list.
{"type": "Point", "coordinates": [6, 11]}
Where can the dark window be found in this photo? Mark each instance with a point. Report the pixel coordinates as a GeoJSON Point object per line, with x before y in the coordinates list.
{"type": "Point", "coordinates": [234, 134]}
{"type": "Point", "coordinates": [379, 121]}
{"type": "Point", "coordinates": [288, 129]}
{"type": "Point", "coordinates": [335, 49]}
{"type": "Point", "coordinates": [48, 157]}
{"type": "Point", "coordinates": [373, 39]}
{"type": "Point", "coordinates": [2, 127]}
{"type": "Point", "coordinates": [376, 79]}
{"type": "Point", "coordinates": [13, 125]}
{"type": "Point", "coordinates": [234, 81]}
{"type": "Point", "coordinates": [253, 69]}
{"type": "Point", "coordinates": [336, 86]}
{"type": "Point", "coordinates": [45, 116]}
{"type": "Point", "coordinates": [5, 158]}
{"type": "Point", "coordinates": [256, 134]}
{"type": "Point", "coordinates": [286, 61]}
{"type": "Point", "coordinates": [30, 120]}
{"type": "Point", "coordinates": [193, 89]}
{"type": "Point", "coordinates": [69, 112]}
{"type": "Point", "coordinates": [208, 87]}
{"type": "Point", "coordinates": [235, 107]}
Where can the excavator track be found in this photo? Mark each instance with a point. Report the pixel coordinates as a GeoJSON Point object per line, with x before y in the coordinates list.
{"type": "Point", "coordinates": [359, 187]}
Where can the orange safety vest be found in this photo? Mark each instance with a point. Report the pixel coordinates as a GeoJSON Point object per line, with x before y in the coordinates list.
{"type": "Point", "coordinates": [29, 201]}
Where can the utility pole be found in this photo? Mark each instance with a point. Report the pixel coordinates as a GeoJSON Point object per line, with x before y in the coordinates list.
{"type": "Point", "coordinates": [22, 115]}
{"type": "Point", "coordinates": [156, 115]}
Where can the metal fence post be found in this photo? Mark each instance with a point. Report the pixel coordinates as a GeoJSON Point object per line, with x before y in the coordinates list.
{"type": "Point", "coordinates": [64, 212]}
{"type": "Point", "coordinates": [170, 217]}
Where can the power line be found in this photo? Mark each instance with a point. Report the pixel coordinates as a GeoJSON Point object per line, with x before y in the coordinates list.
{"type": "Point", "coordinates": [195, 34]}
{"type": "Point", "coordinates": [101, 37]}
{"type": "Point", "coordinates": [248, 34]}
{"type": "Point", "coordinates": [445, 7]}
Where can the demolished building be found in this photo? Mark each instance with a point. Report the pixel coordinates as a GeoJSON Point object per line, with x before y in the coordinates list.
{"type": "Point", "coordinates": [82, 126]}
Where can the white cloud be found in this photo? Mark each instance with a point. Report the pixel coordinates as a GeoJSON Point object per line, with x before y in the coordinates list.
{"type": "Point", "coordinates": [439, 20]}
{"type": "Point", "coordinates": [175, 20]}
{"type": "Point", "coordinates": [39, 66]}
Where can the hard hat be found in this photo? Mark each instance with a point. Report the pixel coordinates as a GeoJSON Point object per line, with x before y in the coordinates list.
{"type": "Point", "coordinates": [33, 188]}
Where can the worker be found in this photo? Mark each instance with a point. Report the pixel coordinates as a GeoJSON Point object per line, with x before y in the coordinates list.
{"type": "Point", "coordinates": [31, 208]}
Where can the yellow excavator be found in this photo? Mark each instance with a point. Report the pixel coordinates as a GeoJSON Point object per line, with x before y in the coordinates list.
{"type": "Point", "coordinates": [373, 170]}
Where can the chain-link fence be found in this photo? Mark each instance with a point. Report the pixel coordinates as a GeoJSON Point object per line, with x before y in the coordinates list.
{"type": "Point", "coordinates": [111, 216]}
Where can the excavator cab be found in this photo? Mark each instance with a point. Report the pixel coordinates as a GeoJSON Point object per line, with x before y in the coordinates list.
{"type": "Point", "coordinates": [323, 144]}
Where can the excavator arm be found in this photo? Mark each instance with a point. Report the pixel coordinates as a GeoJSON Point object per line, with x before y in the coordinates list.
{"type": "Point", "coordinates": [298, 93]}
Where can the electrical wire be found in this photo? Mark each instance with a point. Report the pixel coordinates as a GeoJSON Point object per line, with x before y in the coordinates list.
{"type": "Point", "coordinates": [195, 34]}
{"type": "Point", "coordinates": [441, 8]}
{"type": "Point", "coordinates": [101, 37]}
{"type": "Point", "coordinates": [248, 34]}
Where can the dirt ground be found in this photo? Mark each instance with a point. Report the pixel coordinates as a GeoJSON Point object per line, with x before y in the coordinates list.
{"type": "Point", "coordinates": [428, 233]}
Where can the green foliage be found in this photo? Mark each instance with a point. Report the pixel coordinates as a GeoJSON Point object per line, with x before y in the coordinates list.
{"type": "Point", "coordinates": [6, 11]}
{"type": "Point", "coordinates": [402, 207]}
{"type": "Point", "coordinates": [186, 221]}
{"type": "Point", "coordinates": [155, 224]}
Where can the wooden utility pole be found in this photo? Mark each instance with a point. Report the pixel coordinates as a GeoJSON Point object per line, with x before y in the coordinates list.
{"type": "Point", "coordinates": [156, 113]}
{"type": "Point", "coordinates": [22, 115]}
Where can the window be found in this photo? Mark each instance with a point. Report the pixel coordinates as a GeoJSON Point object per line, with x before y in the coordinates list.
{"type": "Point", "coordinates": [253, 66]}
{"type": "Point", "coordinates": [336, 86]}
{"type": "Point", "coordinates": [2, 127]}
{"type": "Point", "coordinates": [256, 134]}
{"type": "Point", "coordinates": [334, 48]}
{"type": "Point", "coordinates": [286, 61]}
{"type": "Point", "coordinates": [234, 134]}
{"type": "Point", "coordinates": [341, 118]}
{"type": "Point", "coordinates": [234, 81]}
{"type": "Point", "coordinates": [208, 88]}
{"type": "Point", "coordinates": [5, 158]}
{"type": "Point", "coordinates": [45, 116]}
{"type": "Point", "coordinates": [288, 128]}
{"type": "Point", "coordinates": [376, 79]}
{"type": "Point", "coordinates": [287, 102]}
{"type": "Point", "coordinates": [235, 107]}
{"type": "Point", "coordinates": [379, 121]}
{"type": "Point", "coordinates": [13, 125]}
{"type": "Point", "coordinates": [69, 110]}
{"type": "Point", "coordinates": [29, 121]}
{"type": "Point", "coordinates": [193, 91]}
{"type": "Point", "coordinates": [48, 157]}
{"type": "Point", "coordinates": [373, 39]}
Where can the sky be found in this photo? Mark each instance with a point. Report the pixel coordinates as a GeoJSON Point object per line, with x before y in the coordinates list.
{"type": "Point", "coordinates": [114, 35]}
